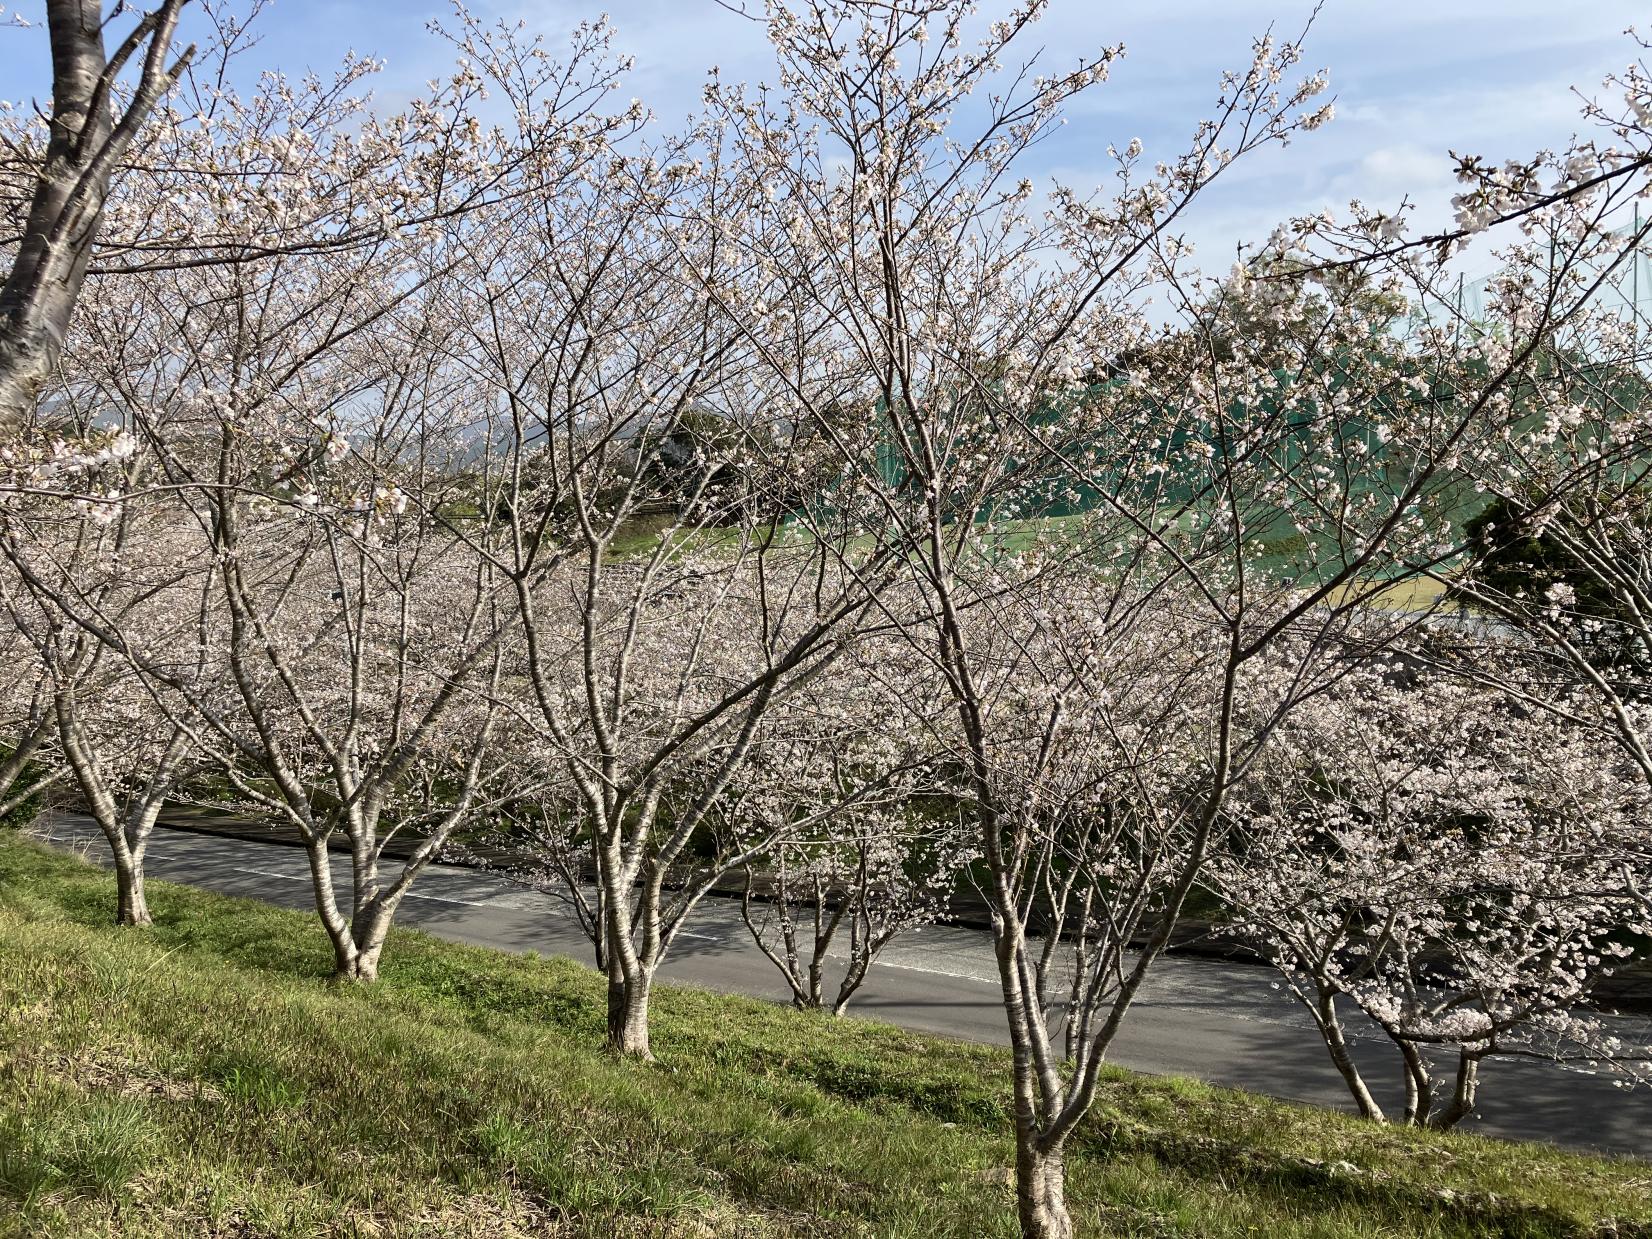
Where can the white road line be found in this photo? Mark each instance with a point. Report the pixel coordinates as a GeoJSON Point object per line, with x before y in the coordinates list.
{"type": "Point", "coordinates": [270, 873]}
{"type": "Point", "coordinates": [466, 903]}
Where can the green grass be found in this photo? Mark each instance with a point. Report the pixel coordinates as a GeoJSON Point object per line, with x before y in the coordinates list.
{"type": "Point", "coordinates": [203, 1078]}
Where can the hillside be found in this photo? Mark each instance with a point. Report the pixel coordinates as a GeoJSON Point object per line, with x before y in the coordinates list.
{"type": "Point", "coordinates": [203, 1079]}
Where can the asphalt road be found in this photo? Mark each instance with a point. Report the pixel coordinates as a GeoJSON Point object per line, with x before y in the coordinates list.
{"type": "Point", "coordinates": [1214, 1020]}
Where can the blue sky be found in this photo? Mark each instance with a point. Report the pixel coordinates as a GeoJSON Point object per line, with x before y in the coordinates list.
{"type": "Point", "coordinates": [1413, 79]}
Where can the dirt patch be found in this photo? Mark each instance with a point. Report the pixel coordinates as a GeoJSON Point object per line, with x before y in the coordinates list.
{"type": "Point", "coordinates": [112, 1072]}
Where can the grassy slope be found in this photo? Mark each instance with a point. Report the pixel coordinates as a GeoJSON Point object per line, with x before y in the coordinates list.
{"type": "Point", "coordinates": [202, 1079]}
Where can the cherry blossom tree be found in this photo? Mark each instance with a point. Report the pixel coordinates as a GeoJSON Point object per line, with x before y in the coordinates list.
{"type": "Point", "coordinates": [1265, 485]}
{"type": "Point", "coordinates": [1559, 556]}
{"type": "Point", "coordinates": [123, 564]}
{"type": "Point", "coordinates": [969, 347]}
{"type": "Point", "coordinates": [283, 361]}
{"type": "Point", "coordinates": [360, 639]}
{"type": "Point", "coordinates": [538, 470]}
{"type": "Point", "coordinates": [857, 837]}
{"type": "Point", "coordinates": [869, 876]}
{"type": "Point", "coordinates": [1442, 863]}
{"type": "Point", "coordinates": [674, 572]}
{"type": "Point", "coordinates": [683, 664]}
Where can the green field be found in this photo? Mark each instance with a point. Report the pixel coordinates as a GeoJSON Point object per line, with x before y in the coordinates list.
{"type": "Point", "coordinates": [203, 1079]}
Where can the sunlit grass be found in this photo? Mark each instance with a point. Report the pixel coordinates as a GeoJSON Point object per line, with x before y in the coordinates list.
{"type": "Point", "coordinates": [204, 1078]}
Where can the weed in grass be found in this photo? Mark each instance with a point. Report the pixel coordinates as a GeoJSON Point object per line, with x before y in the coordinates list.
{"type": "Point", "coordinates": [95, 1147]}
{"type": "Point", "coordinates": [256, 1084]}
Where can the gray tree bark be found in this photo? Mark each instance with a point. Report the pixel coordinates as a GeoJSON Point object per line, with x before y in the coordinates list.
{"type": "Point", "coordinates": [1463, 1094]}
{"type": "Point", "coordinates": [1041, 1189]}
{"type": "Point", "coordinates": [84, 146]}
{"type": "Point", "coordinates": [127, 826]}
{"type": "Point", "coordinates": [1330, 1027]}
{"type": "Point", "coordinates": [132, 905]}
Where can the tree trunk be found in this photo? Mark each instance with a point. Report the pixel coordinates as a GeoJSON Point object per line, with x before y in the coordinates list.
{"type": "Point", "coordinates": [83, 147]}
{"type": "Point", "coordinates": [1040, 1163]}
{"type": "Point", "coordinates": [630, 970]}
{"type": "Point", "coordinates": [356, 955]}
{"type": "Point", "coordinates": [1330, 1028]}
{"type": "Point", "coordinates": [616, 999]}
{"type": "Point", "coordinates": [1419, 1084]}
{"type": "Point", "coordinates": [1462, 1099]}
{"type": "Point", "coordinates": [56, 242]}
{"type": "Point", "coordinates": [817, 976]}
{"type": "Point", "coordinates": [357, 951]}
{"type": "Point", "coordinates": [1041, 1189]}
{"type": "Point", "coordinates": [854, 976]}
{"type": "Point", "coordinates": [132, 907]}
{"type": "Point", "coordinates": [628, 1014]}
{"type": "Point", "coordinates": [352, 964]}
{"type": "Point", "coordinates": [350, 961]}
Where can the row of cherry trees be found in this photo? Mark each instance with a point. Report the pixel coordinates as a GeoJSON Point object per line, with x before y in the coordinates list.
{"type": "Point", "coordinates": [805, 502]}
